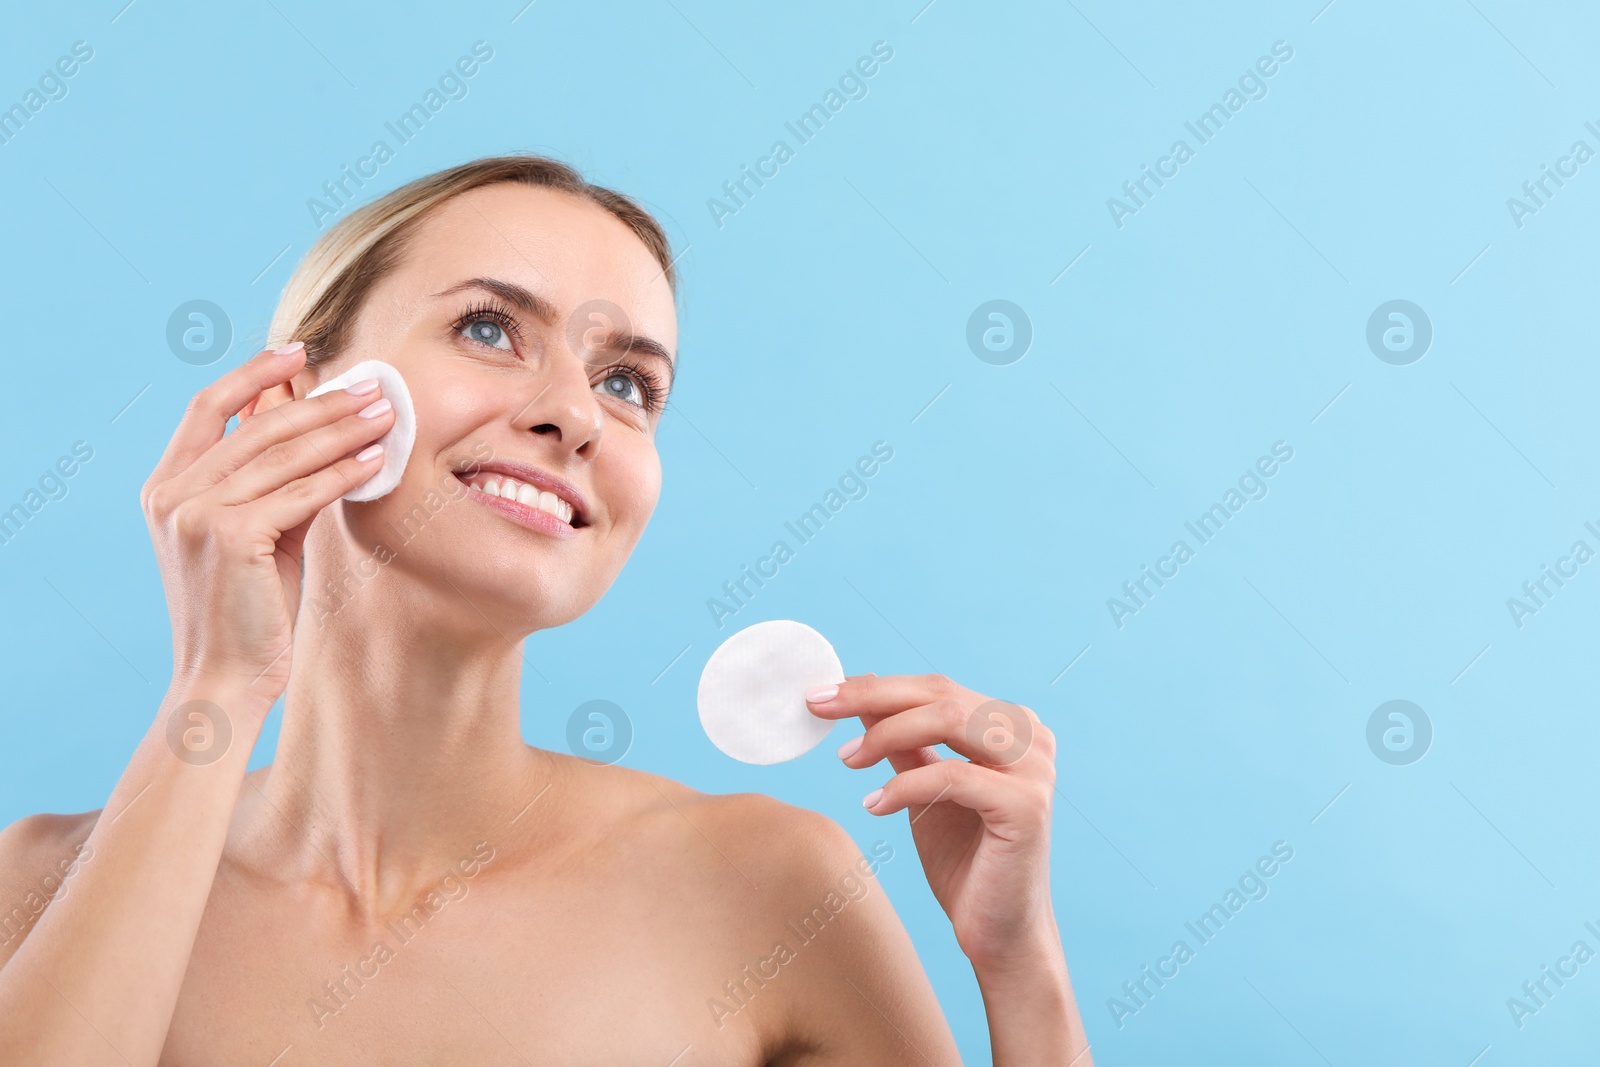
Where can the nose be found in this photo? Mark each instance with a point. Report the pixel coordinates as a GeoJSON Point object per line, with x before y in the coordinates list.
{"type": "Point", "coordinates": [564, 410]}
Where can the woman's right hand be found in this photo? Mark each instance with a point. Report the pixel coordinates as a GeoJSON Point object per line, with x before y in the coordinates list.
{"type": "Point", "coordinates": [228, 513]}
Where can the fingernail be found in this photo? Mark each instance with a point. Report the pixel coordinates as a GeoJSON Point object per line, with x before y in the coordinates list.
{"type": "Point", "coordinates": [292, 346]}
{"type": "Point", "coordinates": [871, 799]}
{"type": "Point", "coordinates": [821, 694]}
{"type": "Point", "coordinates": [376, 408]}
{"type": "Point", "coordinates": [371, 452]}
{"type": "Point", "coordinates": [363, 387]}
{"type": "Point", "coordinates": [848, 749]}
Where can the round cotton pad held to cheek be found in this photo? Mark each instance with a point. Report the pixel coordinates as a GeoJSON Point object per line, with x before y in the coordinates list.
{"type": "Point", "coordinates": [752, 691]}
{"type": "Point", "coordinates": [401, 436]}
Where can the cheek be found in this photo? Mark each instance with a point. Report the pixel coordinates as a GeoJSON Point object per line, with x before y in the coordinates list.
{"type": "Point", "coordinates": [449, 408]}
{"type": "Point", "coordinates": [633, 483]}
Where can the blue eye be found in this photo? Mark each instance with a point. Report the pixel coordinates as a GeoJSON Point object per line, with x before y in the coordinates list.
{"type": "Point", "coordinates": [486, 331]}
{"type": "Point", "coordinates": [623, 387]}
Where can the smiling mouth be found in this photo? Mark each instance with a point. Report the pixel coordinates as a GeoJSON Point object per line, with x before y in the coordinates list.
{"type": "Point", "coordinates": [505, 487]}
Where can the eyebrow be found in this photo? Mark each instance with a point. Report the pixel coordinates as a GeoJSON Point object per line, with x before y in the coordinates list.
{"type": "Point", "coordinates": [545, 312]}
{"type": "Point", "coordinates": [511, 293]}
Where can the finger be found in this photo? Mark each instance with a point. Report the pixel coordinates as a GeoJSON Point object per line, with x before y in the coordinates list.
{"type": "Point", "coordinates": [305, 453]}
{"type": "Point", "coordinates": [867, 694]}
{"type": "Point", "coordinates": [206, 418]}
{"type": "Point", "coordinates": [983, 735]}
{"type": "Point", "coordinates": [1002, 800]}
{"type": "Point", "coordinates": [300, 500]}
{"type": "Point", "coordinates": [259, 434]}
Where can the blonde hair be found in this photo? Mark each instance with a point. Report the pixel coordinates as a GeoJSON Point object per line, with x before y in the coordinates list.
{"type": "Point", "coordinates": [324, 296]}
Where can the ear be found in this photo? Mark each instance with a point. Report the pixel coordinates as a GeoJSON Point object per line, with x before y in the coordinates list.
{"type": "Point", "coordinates": [295, 388]}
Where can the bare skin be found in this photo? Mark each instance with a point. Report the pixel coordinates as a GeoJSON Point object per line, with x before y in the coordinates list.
{"type": "Point", "coordinates": [411, 882]}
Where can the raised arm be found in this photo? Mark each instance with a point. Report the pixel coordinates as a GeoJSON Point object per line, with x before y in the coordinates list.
{"type": "Point", "coordinates": [94, 978]}
{"type": "Point", "coordinates": [982, 829]}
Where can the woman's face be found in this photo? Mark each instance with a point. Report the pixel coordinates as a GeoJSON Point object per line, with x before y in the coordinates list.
{"type": "Point", "coordinates": [537, 335]}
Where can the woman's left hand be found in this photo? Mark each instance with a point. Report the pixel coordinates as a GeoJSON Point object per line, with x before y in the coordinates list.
{"type": "Point", "coordinates": [981, 824]}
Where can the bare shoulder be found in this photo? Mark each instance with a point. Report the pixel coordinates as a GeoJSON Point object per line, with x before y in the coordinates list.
{"type": "Point", "coordinates": [752, 860]}
{"type": "Point", "coordinates": [42, 841]}
{"type": "Point", "coordinates": [38, 855]}
{"type": "Point", "coordinates": [812, 876]}
{"type": "Point", "coordinates": [817, 889]}
{"type": "Point", "coordinates": [782, 848]}
{"type": "Point", "coordinates": [820, 960]}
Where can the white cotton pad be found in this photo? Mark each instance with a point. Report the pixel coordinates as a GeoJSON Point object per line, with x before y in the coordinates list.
{"type": "Point", "coordinates": [401, 436]}
{"type": "Point", "coordinates": [752, 691]}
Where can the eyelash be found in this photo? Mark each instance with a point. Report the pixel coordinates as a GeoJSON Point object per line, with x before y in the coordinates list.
{"type": "Point", "coordinates": [649, 382]}
{"type": "Point", "coordinates": [492, 310]}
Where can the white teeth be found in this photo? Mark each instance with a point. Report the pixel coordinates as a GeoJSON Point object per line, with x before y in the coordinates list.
{"type": "Point", "coordinates": [511, 489]}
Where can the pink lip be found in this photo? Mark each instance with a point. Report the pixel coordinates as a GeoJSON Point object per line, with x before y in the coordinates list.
{"type": "Point", "coordinates": [523, 515]}
{"type": "Point", "coordinates": [542, 480]}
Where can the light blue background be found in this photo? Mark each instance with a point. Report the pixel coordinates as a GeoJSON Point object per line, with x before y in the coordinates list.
{"type": "Point", "coordinates": [1222, 317]}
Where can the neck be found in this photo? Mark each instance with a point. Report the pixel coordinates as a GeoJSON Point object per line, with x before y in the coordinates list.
{"type": "Point", "coordinates": [400, 750]}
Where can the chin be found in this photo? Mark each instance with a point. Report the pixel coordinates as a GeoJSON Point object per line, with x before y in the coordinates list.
{"type": "Point", "coordinates": [517, 595]}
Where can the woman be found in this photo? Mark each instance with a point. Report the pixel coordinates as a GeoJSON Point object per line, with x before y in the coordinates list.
{"type": "Point", "coordinates": [409, 881]}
